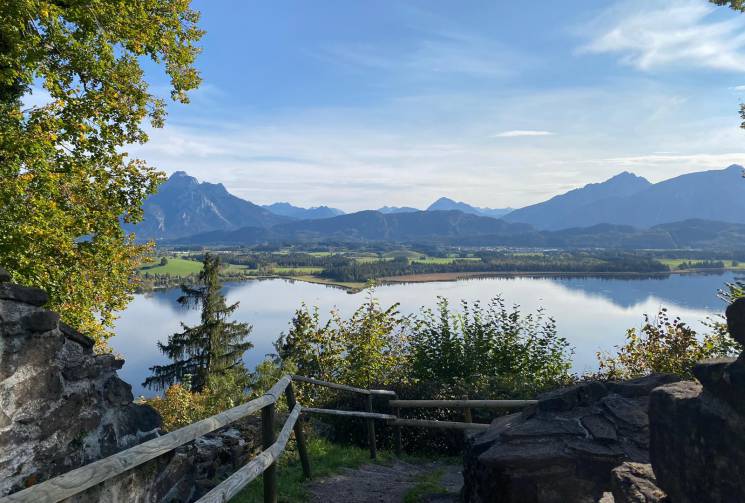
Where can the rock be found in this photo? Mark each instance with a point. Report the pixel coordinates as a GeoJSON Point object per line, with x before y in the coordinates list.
{"type": "Point", "coordinates": [4, 276]}
{"type": "Point", "coordinates": [724, 378]}
{"type": "Point", "coordinates": [26, 295]}
{"type": "Point", "coordinates": [606, 498]}
{"type": "Point", "coordinates": [563, 448]}
{"type": "Point", "coordinates": [697, 445]}
{"type": "Point", "coordinates": [736, 320]}
{"type": "Point", "coordinates": [636, 483]}
{"type": "Point", "coordinates": [641, 386]}
{"type": "Point", "coordinates": [40, 321]}
{"type": "Point", "coordinates": [63, 406]}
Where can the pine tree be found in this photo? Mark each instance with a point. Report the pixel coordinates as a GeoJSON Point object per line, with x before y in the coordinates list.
{"type": "Point", "coordinates": [211, 349]}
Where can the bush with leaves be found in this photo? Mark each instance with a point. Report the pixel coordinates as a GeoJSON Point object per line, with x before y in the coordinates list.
{"type": "Point", "coordinates": [493, 351]}
{"type": "Point", "coordinates": [665, 344]}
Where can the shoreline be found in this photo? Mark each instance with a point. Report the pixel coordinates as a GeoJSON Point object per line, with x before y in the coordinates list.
{"type": "Point", "coordinates": [352, 288]}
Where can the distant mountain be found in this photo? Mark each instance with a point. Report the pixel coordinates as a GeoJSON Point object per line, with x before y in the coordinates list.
{"type": "Point", "coordinates": [369, 226]}
{"type": "Point", "coordinates": [183, 206]}
{"type": "Point", "coordinates": [397, 209]}
{"type": "Point", "coordinates": [559, 212]}
{"type": "Point", "coordinates": [458, 228]}
{"type": "Point", "coordinates": [446, 204]}
{"type": "Point", "coordinates": [716, 195]}
{"type": "Point", "coordinates": [288, 210]}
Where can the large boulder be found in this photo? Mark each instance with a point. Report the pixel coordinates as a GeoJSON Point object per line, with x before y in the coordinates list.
{"type": "Point", "coordinates": [697, 429]}
{"type": "Point", "coordinates": [565, 447]}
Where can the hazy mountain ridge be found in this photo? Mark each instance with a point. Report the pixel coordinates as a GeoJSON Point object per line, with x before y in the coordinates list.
{"type": "Point", "coordinates": [716, 195]}
{"type": "Point", "coordinates": [447, 204]}
{"type": "Point", "coordinates": [288, 210]}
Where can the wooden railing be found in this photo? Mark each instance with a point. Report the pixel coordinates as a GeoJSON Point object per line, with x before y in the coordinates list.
{"type": "Point", "coordinates": [81, 479]}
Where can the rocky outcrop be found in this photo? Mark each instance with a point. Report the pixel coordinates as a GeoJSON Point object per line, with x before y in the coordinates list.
{"type": "Point", "coordinates": [565, 447]}
{"type": "Point", "coordinates": [635, 483]}
{"type": "Point", "coordinates": [63, 406]}
{"type": "Point", "coordinates": [698, 428]}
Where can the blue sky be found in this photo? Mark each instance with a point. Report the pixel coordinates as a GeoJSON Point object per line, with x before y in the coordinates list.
{"type": "Point", "coordinates": [360, 104]}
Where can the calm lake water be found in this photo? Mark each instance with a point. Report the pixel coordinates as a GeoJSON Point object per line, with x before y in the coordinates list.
{"type": "Point", "coordinates": [592, 313]}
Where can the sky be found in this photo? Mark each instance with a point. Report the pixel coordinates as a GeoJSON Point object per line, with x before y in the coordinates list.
{"type": "Point", "coordinates": [497, 103]}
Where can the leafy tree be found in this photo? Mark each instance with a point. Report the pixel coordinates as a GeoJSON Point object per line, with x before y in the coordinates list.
{"type": "Point", "coordinates": [212, 349]}
{"type": "Point", "coordinates": [65, 182]}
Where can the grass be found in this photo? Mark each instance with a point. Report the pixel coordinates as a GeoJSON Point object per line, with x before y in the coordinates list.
{"type": "Point", "coordinates": [673, 263]}
{"type": "Point", "coordinates": [331, 282]}
{"type": "Point", "coordinates": [427, 484]}
{"type": "Point", "coordinates": [326, 459]}
{"type": "Point", "coordinates": [298, 270]}
{"type": "Point", "coordinates": [175, 267]}
{"type": "Point", "coordinates": [445, 260]}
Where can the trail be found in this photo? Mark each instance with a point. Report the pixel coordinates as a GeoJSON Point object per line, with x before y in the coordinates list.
{"type": "Point", "coordinates": [385, 483]}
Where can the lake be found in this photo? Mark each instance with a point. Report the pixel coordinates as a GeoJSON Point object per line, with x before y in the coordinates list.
{"type": "Point", "coordinates": [592, 313]}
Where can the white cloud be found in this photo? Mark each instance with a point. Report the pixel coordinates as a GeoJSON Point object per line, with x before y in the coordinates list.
{"type": "Point", "coordinates": [685, 34]}
{"type": "Point", "coordinates": [517, 133]}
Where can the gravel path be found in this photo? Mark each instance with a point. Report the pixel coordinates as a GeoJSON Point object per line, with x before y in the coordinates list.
{"type": "Point", "coordinates": [377, 483]}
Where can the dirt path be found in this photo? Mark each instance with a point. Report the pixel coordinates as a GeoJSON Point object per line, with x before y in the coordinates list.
{"type": "Point", "coordinates": [385, 483]}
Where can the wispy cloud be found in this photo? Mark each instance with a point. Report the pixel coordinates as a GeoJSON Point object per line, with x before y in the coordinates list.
{"type": "Point", "coordinates": [652, 34]}
{"type": "Point", "coordinates": [517, 133]}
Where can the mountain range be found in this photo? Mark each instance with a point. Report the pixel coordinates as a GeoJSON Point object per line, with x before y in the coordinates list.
{"type": "Point", "coordinates": [288, 210]}
{"type": "Point", "coordinates": [627, 199]}
{"type": "Point", "coordinates": [183, 206]}
{"type": "Point", "coordinates": [619, 212]}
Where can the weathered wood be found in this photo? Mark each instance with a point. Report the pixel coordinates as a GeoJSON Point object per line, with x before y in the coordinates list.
{"type": "Point", "coordinates": [250, 471]}
{"type": "Point", "coordinates": [467, 417]}
{"type": "Point", "coordinates": [349, 413]}
{"type": "Point", "coordinates": [302, 448]}
{"type": "Point", "coordinates": [78, 480]}
{"type": "Point", "coordinates": [397, 433]}
{"type": "Point", "coordinates": [371, 428]}
{"type": "Point", "coordinates": [267, 438]}
{"type": "Point", "coordinates": [462, 404]}
{"type": "Point", "coordinates": [344, 387]}
{"type": "Point", "coordinates": [426, 423]}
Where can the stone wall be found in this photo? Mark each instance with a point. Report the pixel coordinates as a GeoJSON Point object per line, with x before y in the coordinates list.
{"type": "Point", "coordinates": [63, 406]}
{"type": "Point", "coordinates": [649, 440]}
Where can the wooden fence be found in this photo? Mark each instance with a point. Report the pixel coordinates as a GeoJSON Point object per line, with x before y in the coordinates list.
{"type": "Point", "coordinates": [81, 479]}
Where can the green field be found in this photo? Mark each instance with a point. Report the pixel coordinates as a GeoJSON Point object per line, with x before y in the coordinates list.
{"type": "Point", "coordinates": [175, 267]}
{"type": "Point", "coordinates": [444, 260]}
{"type": "Point", "coordinates": [674, 263]}
{"type": "Point", "coordinates": [297, 270]}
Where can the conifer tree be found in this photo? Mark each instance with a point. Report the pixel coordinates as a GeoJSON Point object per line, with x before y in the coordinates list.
{"type": "Point", "coordinates": [214, 348]}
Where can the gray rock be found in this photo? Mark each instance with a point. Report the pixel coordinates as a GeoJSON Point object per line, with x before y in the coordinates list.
{"type": "Point", "coordinates": [641, 386]}
{"type": "Point", "coordinates": [636, 483]}
{"type": "Point", "coordinates": [32, 296]}
{"type": "Point", "coordinates": [4, 276]}
{"type": "Point", "coordinates": [736, 320]}
{"type": "Point", "coordinates": [724, 378]}
{"type": "Point", "coordinates": [40, 321]}
{"type": "Point", "coordinates": [562, 449]}
{"type": "Point", "coordinates": [697, 445]}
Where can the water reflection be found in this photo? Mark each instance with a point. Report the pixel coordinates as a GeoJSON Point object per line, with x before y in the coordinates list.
{"type": "Point", "coordinates": [592, 313]}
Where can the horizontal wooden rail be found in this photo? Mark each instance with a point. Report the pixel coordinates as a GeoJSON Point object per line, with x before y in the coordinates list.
{"type": "Point", "coordinates": [240, 479]}
{"type": "Point", "coordinates": [462, 404]}
{"type": "Point", "coordinates": [78, 480]}
{"type": "Point", "coordinates": [348, 413]}
{"type": "Point", "coordinates": [344, 387]}
{"type": "Point", "coordinates": [426, 423]}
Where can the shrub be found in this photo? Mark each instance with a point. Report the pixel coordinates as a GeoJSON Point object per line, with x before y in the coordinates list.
{"type": "Point", "coordinates": [667, 345]}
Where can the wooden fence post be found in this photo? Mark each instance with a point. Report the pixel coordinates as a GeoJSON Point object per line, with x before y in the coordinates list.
{"type": "Point", "coordinates": [467, 417]}
{"type": "Point", "coordinates": [302, 450]}
{"type": "Point", "coordinates": [371, 429]}
{"type": "Point", "coordinates": [268, 438]}
{"type": "Point", "coordinates": [397, 432]}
